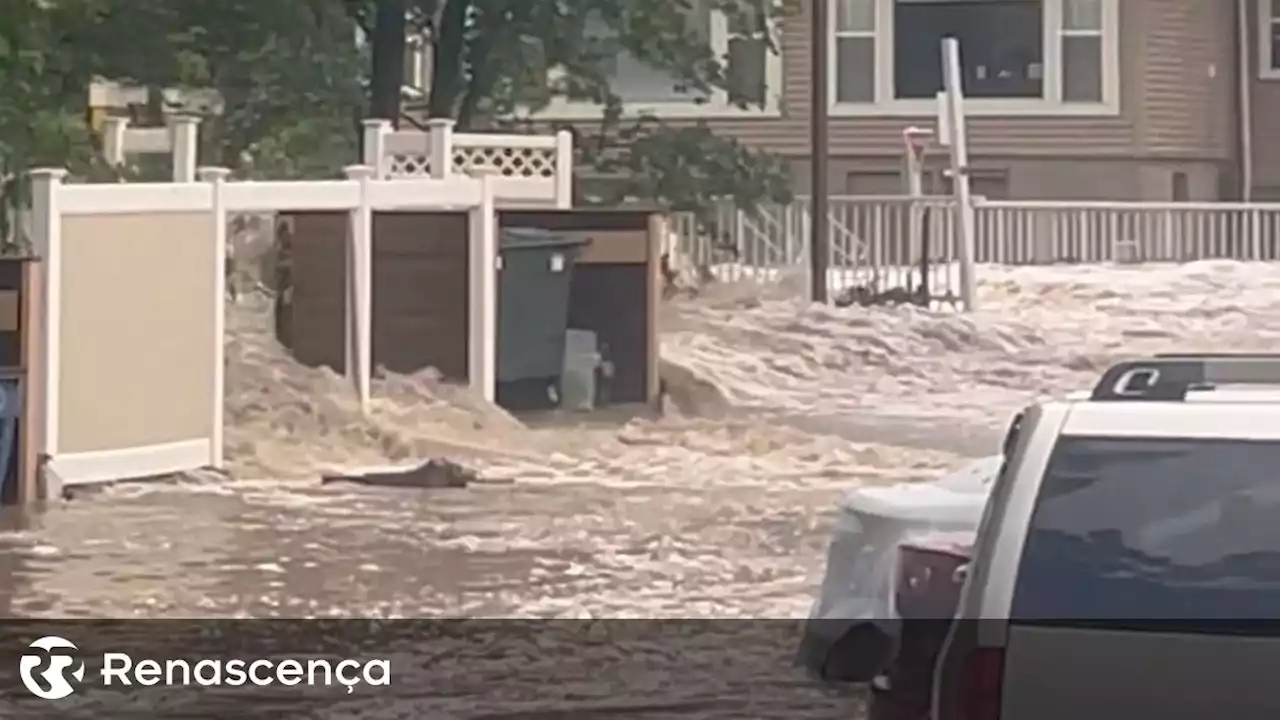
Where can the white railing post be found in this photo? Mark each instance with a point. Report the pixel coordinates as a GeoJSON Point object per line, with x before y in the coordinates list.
{"type": "Point", "coordinates": [217, 177]}
{"type": "Point", "coordinates": [46, 240]}
{"type": "Point", "coordinates": [564, 170]}
{"type": "Point", "coordinates": [184, 144]}
{"type": "Point", "coordinates": [440, 151]}
{"type": "Point", "coordinates": [375, 146]}
{"type": "Point", "coordinates": [359, 334]}
{"type": "Point", "coordinates": [113, 134]}
{"type": "Point", "coordinates": [955, 122]}
{"type": "Point", "coordinates": [482, 303]}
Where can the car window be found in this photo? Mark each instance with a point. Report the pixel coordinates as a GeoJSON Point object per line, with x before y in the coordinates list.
{"type": "Point", "coordinates": [1160, 529]}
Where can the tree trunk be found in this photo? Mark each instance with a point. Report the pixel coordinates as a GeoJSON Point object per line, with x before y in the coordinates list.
{"type": "Point", "coordinates": [446, 65]}
{"type": "Point", "coordinates": [388, 61]}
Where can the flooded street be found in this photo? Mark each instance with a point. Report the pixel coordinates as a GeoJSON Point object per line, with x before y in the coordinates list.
{"type": "Point", "coordinates": [540, 549]}
{"type": "Point", "coordinates": [719, 512]}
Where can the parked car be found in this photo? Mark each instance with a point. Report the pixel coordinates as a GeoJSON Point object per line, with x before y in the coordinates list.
{"type": "Point", "coordinates": [853, 624]}
{"type": "Point", "coordinates": [1128, 564]}
{"type": "Point", "coordinates": [930, 574]}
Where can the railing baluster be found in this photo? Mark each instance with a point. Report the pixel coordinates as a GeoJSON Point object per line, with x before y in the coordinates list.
{"type": "Point", "coordinates": [878, 242]}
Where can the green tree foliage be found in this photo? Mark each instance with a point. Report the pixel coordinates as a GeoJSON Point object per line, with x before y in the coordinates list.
{"type": "Point", "coordinates": [494, 60]}
{"type": "Point", "coordinates": [290, 82]}
{"type": "Point", "coordinates": [38, 95]}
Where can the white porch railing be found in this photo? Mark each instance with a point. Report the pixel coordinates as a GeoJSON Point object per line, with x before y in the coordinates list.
{"type": "Point", "coordinates": [1043, 232]}
{"type": "Point", "coordinates": [877, 243]}
{"type": "Point", "coordinates": [531, 170]}
{"type": "Point", "coordinates": [883, 242]}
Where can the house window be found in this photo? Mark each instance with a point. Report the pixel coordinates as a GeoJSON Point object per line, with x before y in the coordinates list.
{"type": "Point", "coordinates": [1082, 51]}
{"type": "Point", "coordinates": [855, 66]}
{"type": "Point", "coordinates": [1018, 56]}
{"type": "Point", "coordinates": [1269, 39]}
{"type": "Point", "coordinates": [1001, 39]}
{"type": "Point", "coordinates": [635, 81]}
{"type": "Point", "coordinates": [753, 72]}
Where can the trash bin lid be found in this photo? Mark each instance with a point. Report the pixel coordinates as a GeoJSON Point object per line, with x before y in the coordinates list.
{"type": "Point", "coordinates": [535, 237]}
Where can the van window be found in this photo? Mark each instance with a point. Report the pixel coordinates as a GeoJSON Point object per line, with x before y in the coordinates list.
{"type": "Point", "coordinates": [1158, 529]}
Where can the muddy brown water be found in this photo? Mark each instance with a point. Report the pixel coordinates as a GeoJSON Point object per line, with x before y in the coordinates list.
{"type": "Point", "coordinates": [356, 552]}
{"type": "Point", "coordinates": [299, 550]}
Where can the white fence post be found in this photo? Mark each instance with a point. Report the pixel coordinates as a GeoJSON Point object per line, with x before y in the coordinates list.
{"type": "Point", "coordinates": [482, 305]}
{"type": "Point", "coordinates": [113, 134]}
{"type": "Point", "coordinates": [184, 144]}
{"type": "Point", "coordinates": [956, 128]}
{"type": "Point", "coordinates": [564, 170]}
{"type": "Point", "coordinates": [217, 177]}
{"type": "Point", "coordinates": [46, 239]}
{"type": "Point", "coordinates": [440, 151]}
{"type": "Point", "coordinates": [360, 289]}
{"type": "Point", "coordinates": [375, 146]}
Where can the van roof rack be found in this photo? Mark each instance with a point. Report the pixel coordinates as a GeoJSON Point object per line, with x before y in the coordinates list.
{"type": "Point", "coordinates": [1169, 377]}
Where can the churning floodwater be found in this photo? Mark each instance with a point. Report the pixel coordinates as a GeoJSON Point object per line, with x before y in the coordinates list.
{"type": "Point", "coordinates": [720, 510]}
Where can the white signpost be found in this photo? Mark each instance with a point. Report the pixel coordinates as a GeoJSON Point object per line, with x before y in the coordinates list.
{"type": "Point", "coordinates": [917, 141]}
{"type": "Point", "coordinates": [954, 134]}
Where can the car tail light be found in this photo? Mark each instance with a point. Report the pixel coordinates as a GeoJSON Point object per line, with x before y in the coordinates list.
{"type": "Point", "coordinates": [980, 688]}
{"type": "Point", "coordinates": [929, 581]}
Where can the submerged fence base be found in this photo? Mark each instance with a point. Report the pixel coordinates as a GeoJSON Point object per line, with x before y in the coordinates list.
{"type": "Point", "coordinates": [903, 247]}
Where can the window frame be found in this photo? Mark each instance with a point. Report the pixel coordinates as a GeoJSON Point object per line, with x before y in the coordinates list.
{"type": "Point", "coordinates": [1052, 105]}
{"type": "Point", "coordinates": [719, 106]}
{"type": "Point", "coordinates": [1267, 20]}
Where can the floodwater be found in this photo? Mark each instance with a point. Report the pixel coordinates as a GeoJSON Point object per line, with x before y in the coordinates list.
{"type": "Point", "coordinates": [713, 512]}
{"type": "Point", "coordinates": [719, 511]}
{"type": "Point", "coordinates": [536, 547]}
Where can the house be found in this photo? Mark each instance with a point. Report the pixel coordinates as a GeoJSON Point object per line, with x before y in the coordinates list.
{"type": "Point", "coordinates": [1068, 99]}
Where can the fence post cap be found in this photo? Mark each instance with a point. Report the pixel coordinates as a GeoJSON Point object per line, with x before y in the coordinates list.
{"type": "Point", "coordinates": [358, 172]}
{"type": "Point", "coordinates": [212, 173]}
{"type": "Point", "coordinates": [375, 122]}
{"type": "Point", "coordinates": [47, 173]}
{"type": "Point", "coordinates": [441, 122]}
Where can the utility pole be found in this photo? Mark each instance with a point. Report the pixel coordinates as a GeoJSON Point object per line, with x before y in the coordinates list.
{"type": "Point", "coordinates": [819, 222]}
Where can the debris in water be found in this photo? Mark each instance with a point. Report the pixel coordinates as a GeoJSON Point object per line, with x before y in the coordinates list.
{"type": "Point", "coordinates": [435, 473]}
{"type": "Point", "coordinates": [688, 393]}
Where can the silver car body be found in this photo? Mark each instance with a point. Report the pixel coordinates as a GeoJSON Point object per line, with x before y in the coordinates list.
{"type": "Point", "coordinates": [1077, 671]}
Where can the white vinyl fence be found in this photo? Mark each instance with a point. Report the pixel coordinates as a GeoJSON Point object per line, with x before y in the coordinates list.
{"type": "Point", "coordinates": [887, 243]}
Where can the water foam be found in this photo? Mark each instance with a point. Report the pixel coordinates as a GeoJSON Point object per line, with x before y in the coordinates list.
{"type": "Point", "coordinates": [1038, 330]}
{"type": "Point", "coordinates": [285, 420]}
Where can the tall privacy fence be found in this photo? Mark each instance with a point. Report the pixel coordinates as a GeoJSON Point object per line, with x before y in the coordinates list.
{"type": "Point", "coordinates": [898, 244]}
{"type": "Point", "coordinates": [109, 250]}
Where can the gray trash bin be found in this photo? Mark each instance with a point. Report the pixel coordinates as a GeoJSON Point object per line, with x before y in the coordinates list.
{"type": "Point", "coordinates": [533, 304]}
